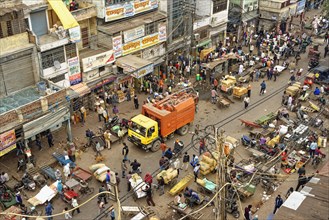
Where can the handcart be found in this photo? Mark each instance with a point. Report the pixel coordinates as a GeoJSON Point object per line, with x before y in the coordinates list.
{"type": "Point", "coordinates": [184, 210]}
{"type": "Point", "coordinates": [181, 185]}
{"type": "Point", "coordinates": [246, 191]}
{"type": "Point", "coordinates": [138, 185]}
{"type": "Point", "coordinates": [266, 119]}
{"type": "Point", "coordinates": [245, 170]}
{"type": "Point", "coordinates": [61, 159]}
{"type": "Point", "coordinates": [7, 198]}
{"type": "Point", "coordinates": [206, 186]}
{"type": "Point", "coordinates": [81, 174]}
{"type": "Point", "coordinates": [249, 124]}
{"type": "Point", "coordinates": [223, 102]}
{"type": "Point", "coordinates": [48, 172]}
{"type": "Point", "coordinates": [169, 176]}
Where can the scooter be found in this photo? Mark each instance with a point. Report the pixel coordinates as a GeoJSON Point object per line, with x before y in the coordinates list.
{"type": "Point", "coordinates": [232, 208]}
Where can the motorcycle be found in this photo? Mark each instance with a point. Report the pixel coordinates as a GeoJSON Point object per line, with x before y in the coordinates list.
{"type": "Point", "coordinates": [26, 183]}
{"type": "Point", "coordinates": [246, 141]}
{"type": "Point", "coordinates": [317, 160]}
{"type": "Point", "coordinates": [313, 63]}
{"type": "Point", "coordinates": [21, 165]}
{"type": "Point", "coordinates": [232, 208]}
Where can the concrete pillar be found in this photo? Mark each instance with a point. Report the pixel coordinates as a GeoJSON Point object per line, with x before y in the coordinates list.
{"type": "Point", "coordinates": [69, 131]}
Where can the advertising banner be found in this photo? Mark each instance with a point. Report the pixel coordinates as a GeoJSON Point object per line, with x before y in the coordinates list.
{"type": "Point", "coordinates": [74, 70]}
{"type": "Point", "coordinates": [75, 34]}
{"type": "Point", "coordinates": [162, 32]}
{"type": "Point", "coordinates": [128, 9]}
{"type": "Point", "coordinates": [117, 46]}
{"type": "Point", "coordinates": [149, 40]}
{"type": "Point", "coordinates": [7, 142]}
{"type": "Point", "coordinates": [131, 47]}
{"type": "Point", "coordinates": [133, 34]}
{"type": "Point", "coordinates": [98, 60]}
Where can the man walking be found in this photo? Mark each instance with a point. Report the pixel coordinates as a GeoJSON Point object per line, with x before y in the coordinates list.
{"type": "Point", "coordinates": [107, 137]}
{"type": "Point", "coordinates": [136, 102]}
{"type": "Point", "coordinates": [163, 147]}
{"type": "Point", "coordinates": [98, 149]}
{"type": "Point", "coordinates": [49, 210]}
{"type": "Point", "coordinates": [326, 49]}
{"type": "Point", "coordinates": [50, 139]}
{"type": "Point", "coordinates": [249, 90]}
{"type": "Point", "coordinates": [38, 142]}
{"type": "Point", "coordinates": [124, 168]}
{"type": "Point", "coordinates": [100, 113]}
{"type": "Point", "coordinates": [214, 94]}
{"type": "Point", "coordinates": [125, 151]}
{"type": "Point", "coordinates": [196, 172]}
{"type": "Point", "coordinates": [246, 101]}
{"type": "Point", "coordinates": [278, 203]}
{"type": "Point", "coordinates": [262, 88]}
{"type": "Point", "coordinates": [161, 185]}
{"type": "Point", "coordinates": [103, 195]}
{"type": "Point", "coordinates": [202, 147]}
{"type": "Point", "coordinates": [75, 205]}
{"type": "Point", "coordinates": [149, 198]}
{"type": "Point", "coordinates": [186, 160]}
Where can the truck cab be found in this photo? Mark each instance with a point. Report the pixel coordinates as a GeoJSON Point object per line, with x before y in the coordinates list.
{"type": "Point", "coordinates": [144, 132]}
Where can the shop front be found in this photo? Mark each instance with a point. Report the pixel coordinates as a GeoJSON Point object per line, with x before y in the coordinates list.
{"type": "Point", "coordinates": [136, 67]}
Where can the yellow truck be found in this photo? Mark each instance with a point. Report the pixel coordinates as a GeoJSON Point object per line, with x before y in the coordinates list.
{"type": "Point", "coordinates": [160, 120]}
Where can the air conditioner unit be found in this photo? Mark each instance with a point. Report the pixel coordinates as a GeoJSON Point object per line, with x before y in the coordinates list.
{"type": "Point", "coordinates": [255, 7]}
{"type": "Point", "coordinates": [250, 8]}
{"type": "Point", "coordinates": [197, 36]}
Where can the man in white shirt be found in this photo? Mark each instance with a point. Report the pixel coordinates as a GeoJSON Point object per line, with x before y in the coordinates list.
{"type": "Point", "coordinates": [196, 172]}
{"type": "Point", "coordinates": [100, 113]}
{"type": "Point", "coordinates": [67, 214]}
{"type": "Point", "coordinates": [289, 101]}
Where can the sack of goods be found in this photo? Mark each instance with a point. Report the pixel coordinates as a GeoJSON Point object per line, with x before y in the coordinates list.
{"type": "Point", "coordinates": [167, 175]}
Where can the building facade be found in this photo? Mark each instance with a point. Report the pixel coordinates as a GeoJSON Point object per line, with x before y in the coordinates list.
{"type": "Point", "coordinates": [275, 14]}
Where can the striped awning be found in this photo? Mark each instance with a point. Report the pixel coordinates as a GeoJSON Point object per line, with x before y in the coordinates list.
{"type": "Point", "coordinates": [67, 19]}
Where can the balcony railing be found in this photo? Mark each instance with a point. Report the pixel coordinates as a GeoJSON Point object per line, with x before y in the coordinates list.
{"type": "Point", "coordinates": [84, 12]}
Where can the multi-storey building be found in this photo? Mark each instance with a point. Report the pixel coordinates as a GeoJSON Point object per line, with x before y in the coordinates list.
{"type": "Point", "coordinates": [243, 17]}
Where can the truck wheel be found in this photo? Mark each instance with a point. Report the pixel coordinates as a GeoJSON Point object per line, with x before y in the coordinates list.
{"type": "Point", "coordinates": [183, 130]}
{"type": "Point", "coordinates": [229, 92]}
{"type": "Point", "coordinates": [156, 145]}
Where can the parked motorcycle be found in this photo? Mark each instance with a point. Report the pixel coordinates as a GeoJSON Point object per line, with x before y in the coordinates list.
{"type": "Point", "coordinates": [26, 183]}
{"type": "Point", "coordinates": [247, 141]}
{"type": "Point", "coordinates": [313, 63]}
{"type": "Point", "coordinates": [232, 208]}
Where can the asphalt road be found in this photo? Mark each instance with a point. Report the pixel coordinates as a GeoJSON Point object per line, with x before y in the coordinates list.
{"type": "Point", "coordinates": [208, 114]}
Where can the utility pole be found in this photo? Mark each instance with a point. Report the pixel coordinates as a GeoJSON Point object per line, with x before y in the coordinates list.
{"type": "Point", "coordinates": [221, 176]}
{"type": "Point", "coordinates": [188, 9]}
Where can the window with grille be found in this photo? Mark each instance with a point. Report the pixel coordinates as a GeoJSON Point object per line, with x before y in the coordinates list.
{"type": "Point", "coordinates": [153, 27]}
{"type": "Point", "coordinates": [113, 2]}
{"type": "Point", "coordinates": [70, 51]}
{"type": "Point", "coordinates": [9, 28]}
{"type": "Point", "coordinates": [219, 5]}
{"type": "Point", "coordinates": [48, 57]}
{"type": "Point", "coordinates": [1, 33]}
{"type": "Point", "coordinates": [12, 27]}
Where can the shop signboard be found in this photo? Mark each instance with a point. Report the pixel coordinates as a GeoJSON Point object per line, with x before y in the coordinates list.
{"type": "Point", "coordinates": [149, 40]}
{"type": "Point", "coordinates": [7, 142]}
{"type": "Point", "coordinates": [117, 46]}
{"type": "Point", "coordinates": [143, 71]}
{"type": "Point", "coordinates": [131, 47]}
{"type": "Point", "coordinates": [162, 32]}
{"type": "Point", "coordinates": [74, 70]}
{"type": "Point", "coordinates": [128, 9]}
{"type": "Point", "coordinates": [75, 34]}
{"type": "Point", "coordinates": [133, 34]}
{"type": "Point", "coordinates": [98, 60]}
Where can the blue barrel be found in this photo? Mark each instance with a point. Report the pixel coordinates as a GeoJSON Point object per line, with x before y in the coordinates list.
{"type": "Point", "coordinates": [42, 86]}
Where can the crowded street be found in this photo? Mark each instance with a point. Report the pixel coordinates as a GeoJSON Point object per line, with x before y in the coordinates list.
{"type": "Point", "coordinates": [238, 133]}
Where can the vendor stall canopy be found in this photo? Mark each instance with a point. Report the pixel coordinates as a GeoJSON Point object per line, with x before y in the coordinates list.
{"type": "Point", "coordinates": [18, 99]}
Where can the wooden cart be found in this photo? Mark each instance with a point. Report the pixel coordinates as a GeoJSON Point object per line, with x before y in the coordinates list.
{"type": "Point", "coordinates": [239, 92]}
{"type": "Point", "coordinates": [180, 186]}
{"type": "Point", "coordinates": [266, 119]}
{"type": "Point", "coordinates": [249, 124]}
{"type": "Point", "coordinates": [224, 101]}
{"type": "Point", "coordinates": [81, 174]}
{"type": "Point", "coordinates": [185, 211]}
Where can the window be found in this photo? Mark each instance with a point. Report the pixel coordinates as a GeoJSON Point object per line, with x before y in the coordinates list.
{"type": "Point", "coordinates": [9, 29]}
{"type": "Point", "coordinates": [113, 2]}
{"type": "Point", "coordinates": [70, 51]}
{"type": "Point", "coordinates": [48, 57]}
{"type": "Point", "coordinates": [12, 27]}
{"type": "Point", "coordinates": [219, 5]}
{"type": "Point", "coordinates": [152, 28]}
{"type": "Point", "coordinates": [203, 34]}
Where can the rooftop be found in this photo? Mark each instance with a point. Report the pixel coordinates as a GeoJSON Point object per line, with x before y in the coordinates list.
{"type": "Point", "coordinates": [134, 22]}
{"type": "Point", "coordinates": [18, 99]}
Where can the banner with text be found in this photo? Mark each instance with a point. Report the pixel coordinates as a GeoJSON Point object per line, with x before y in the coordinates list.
{"type": "Point", "coordinates": [128, 9]}
{"type": "Point", "coordinates": [133, 34]}
{"type": "Point", "coordinates": [7, 142]}
{"type": "Point", "coordinates": [74, 70]}
{"type": "Point", "coordinates": [117, 46]}
{"type": "Point", "coordinates": [142, 43]}
{"type": "Point", "coordinates": [98, 60]}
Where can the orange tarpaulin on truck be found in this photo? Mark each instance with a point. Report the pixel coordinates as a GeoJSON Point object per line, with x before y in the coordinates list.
{"type": "Point", "coordinates": [205, 52]}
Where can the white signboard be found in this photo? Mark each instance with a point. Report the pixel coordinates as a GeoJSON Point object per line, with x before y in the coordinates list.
{"type": "Point", "coordinates": [75, 34]}
{"type": "Point", "coordinates": [117, 46]}
{"type": "Point", "coordinates": [133, 34]}
{"type": "Point", "coordinates": [98, 60]}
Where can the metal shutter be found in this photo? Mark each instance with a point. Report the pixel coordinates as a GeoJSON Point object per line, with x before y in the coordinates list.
{"type": "Point", "coordinates": [17, 74]}
{"type": "Point", "coordinates": [39, 23]}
